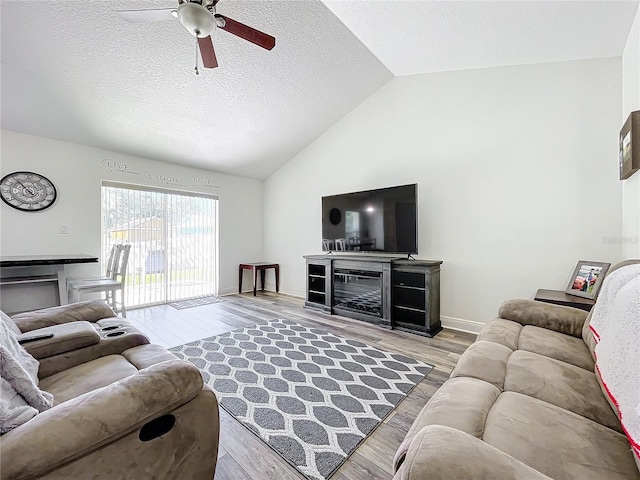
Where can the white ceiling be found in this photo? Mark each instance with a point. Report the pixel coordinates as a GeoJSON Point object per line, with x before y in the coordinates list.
{"type": "Point", "coordinates": [413, 37]}
{"type": "Point", "coordinates": [75, 71]}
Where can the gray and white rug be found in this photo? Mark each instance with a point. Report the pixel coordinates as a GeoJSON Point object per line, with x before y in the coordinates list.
{"type": "Point", "coordinates": [312, 396]}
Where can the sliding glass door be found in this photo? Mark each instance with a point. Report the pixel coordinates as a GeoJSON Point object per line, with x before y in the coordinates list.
{"type": "Point", "coordinates": [173, 237]}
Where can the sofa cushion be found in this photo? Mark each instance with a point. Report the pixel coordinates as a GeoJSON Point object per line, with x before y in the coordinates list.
{"type": "Point", "coordinates": [436, 454]}
{"type": "Point", "coordinates": [562, 384]}
{"type": "Point", "coordinates": [504, 332]}
{"type": "Point", "coordinates": [485, 361]}
{"type": "Point", "coordinates": [559, 318]}
{"type": "Point", "coordinates": [89, 311]}
{"type": "Point", "coordinates": [539, 340]}
{"type": "Point", "coordinates": [556, 442]}
{"type": "Point", "coordinates": [462, 403]}
{"type": "Point", "coordinates": [66, 337]}
{"type": "Point", "coordinates": [556, 345]}
{"type": "Point", "coordinates": [529, 373]}
{"type": "Point", "coordinates": [147, 355]}
{"type": "Point", "coordinates": [87, 377]}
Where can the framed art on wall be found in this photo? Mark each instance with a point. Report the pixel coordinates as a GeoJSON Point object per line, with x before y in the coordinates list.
{"type": "Point", "coordinates": [587, 279]}
{"type": "Point", "coordinates": [629, 146]}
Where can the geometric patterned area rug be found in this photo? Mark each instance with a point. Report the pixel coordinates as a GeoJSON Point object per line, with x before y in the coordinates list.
{"type": "Point", "coordinates": [312, 396]}
{"type": "Point", "coordinates": [195, 302]}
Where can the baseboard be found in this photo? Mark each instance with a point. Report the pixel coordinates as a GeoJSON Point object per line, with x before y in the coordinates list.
{"type": "Point", "coordinates": [271, 287]}
{"type": "Point", "coordinates": [227, 291]}
{"type": "Point", "coordinates": [452, 323]}
{"type": "Point", "coordinates": [461, 324]}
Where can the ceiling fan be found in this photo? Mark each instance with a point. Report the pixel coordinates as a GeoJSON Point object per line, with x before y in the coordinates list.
{"type": "Point", "coordinates": [199, 17]}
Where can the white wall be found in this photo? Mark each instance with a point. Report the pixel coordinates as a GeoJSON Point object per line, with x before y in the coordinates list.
{"type": "Point", "coordinates": [630, 238]}
{"type": "Point", "coordinates": [77, 172]}
{"type": "Point", "coordinates": [517, 173]}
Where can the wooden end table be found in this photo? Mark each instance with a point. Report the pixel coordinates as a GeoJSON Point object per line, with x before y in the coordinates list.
{"type": "Point", "coordinates": [558, 297]}
{"type": "Point", "coordinates": [255, 268]}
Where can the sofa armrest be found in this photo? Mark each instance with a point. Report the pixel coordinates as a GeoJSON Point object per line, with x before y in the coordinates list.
{"type": "Point", "coordinates": [88, 311]}
{"type": "Point", "coordinates": [440, 452]}
{"type": "Point", "coordinates": [78, 426]}
{"type": "Point", "coordinates": [566, 320]}
{"type": "Point", "coordinates": [65, 337]}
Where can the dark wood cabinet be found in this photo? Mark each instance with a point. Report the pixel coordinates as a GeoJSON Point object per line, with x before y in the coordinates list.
{"type": "Point", "coordinates": [318, 285]}
{"type": "Point", "coordinates": [558, 297]}
{"type": "Point", "coordinates": [388, 291]}
{"type": "Point", "coordinates": [415, 296]}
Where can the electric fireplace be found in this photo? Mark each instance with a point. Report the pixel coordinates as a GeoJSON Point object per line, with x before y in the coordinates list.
{"type": "Point", "coordinates": [358, 290]}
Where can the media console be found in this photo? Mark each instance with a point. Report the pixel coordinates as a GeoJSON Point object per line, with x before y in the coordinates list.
{"type": "Point", "coordinates": [392, 292]}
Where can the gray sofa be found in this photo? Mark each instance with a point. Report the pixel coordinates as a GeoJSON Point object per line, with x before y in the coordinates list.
{"type": "Point", "coordinates": [523, 402]}
{"type": "Point", "coordinates": [122, 408]}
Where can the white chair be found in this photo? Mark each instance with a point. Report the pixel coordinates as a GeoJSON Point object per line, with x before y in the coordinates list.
{"type": "Point", "coordinates": [108, 285]}
{"type": "Point", "coordinates": [111, 264]}
{"type": "Point", "coordinates": [341, 244]}
{"type": "Point", "coordinates": [327, 244]}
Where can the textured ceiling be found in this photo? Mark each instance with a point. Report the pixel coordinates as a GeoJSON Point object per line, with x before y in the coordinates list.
{"type": "Point", "coordinates": [413, 37]}
{"type": "Point", "coordinates": [75, 71]}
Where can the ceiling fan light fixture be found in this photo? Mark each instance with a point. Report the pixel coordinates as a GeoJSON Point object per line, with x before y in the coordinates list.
{"type": "Point", "coordinates": [197, 19]}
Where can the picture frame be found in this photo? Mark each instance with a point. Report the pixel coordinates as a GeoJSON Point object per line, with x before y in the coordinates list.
{"type": "Point", "coordinates": [587, 279]}
{"type": "Point", "coordinates": [629, 146]}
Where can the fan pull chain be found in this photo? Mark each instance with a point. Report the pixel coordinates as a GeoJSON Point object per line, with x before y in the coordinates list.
{"type": "Point", "coordinates": [197, 72]}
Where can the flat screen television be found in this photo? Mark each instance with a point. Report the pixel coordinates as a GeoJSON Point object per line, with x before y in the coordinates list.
{"type": "Point", "coordinates": [381, 220]}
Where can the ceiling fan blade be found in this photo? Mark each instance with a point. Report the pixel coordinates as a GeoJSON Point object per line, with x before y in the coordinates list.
{"type": "Point", "coordinates": [145, 16]}
{"type": "Point", "coordinates": [250, 34]}
{"type": "Point", "coordinates": [208, 53]}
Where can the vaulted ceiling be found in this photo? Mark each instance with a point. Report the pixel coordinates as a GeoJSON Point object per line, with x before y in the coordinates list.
{"type": "Point", "coordinates": [75, 71]}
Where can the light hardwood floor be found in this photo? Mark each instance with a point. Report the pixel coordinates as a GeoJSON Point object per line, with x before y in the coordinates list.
{"type": "Point", "coordinates": [242, 455]}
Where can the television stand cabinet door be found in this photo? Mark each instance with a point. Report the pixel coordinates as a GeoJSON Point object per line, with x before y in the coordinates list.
{"type": "Point", "coordinates": [319, 284]}
{"type": "Point", "coordinates": [415, 296]}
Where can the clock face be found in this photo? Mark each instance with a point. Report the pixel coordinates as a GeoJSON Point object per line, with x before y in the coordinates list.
{"type": "Point", "coordinates": [27, 191]}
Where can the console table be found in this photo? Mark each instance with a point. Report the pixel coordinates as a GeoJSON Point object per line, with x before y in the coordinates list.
{"type": "Point", "coordinates": [32, 270]}
{"type": "Point", "coordinates": [391, 292]}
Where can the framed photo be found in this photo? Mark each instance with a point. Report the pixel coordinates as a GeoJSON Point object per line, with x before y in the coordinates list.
{"type": "Point", "coordinates": [587, 279]}
{"type": "Point", "coordinates": [629, 149]}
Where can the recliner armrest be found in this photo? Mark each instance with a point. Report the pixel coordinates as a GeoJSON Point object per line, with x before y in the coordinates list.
{"type": "Point", "coordinates": [65, 338]}
{"type": "Point", "coordinates": [78, 426]}
{"type": "Point", "coordinates": [88, 311]}
{"type": "Point", "coordinates": [439, 452]}
{"type": "Point", "coordinates": [567, 320]}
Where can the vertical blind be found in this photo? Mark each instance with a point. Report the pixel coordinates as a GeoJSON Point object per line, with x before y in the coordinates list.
{"type": "Point", "coordinates": [173, 237]}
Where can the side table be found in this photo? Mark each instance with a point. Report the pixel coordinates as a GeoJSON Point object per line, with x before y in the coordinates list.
{"type": "Point", "coordinates": [255, 268]}
{"type": "Point", "coordinates": [558, 297]}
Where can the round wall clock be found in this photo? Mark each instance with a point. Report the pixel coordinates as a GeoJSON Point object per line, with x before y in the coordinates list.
{"type": "Point", "coordinates": [27, 191]}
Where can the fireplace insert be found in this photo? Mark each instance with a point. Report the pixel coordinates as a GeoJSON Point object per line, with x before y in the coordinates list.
{"type": "Point", "coordinates": [358, 290]}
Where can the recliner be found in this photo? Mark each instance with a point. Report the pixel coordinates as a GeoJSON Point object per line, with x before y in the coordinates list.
{"type": "Point", "coordinates": [127, 413]}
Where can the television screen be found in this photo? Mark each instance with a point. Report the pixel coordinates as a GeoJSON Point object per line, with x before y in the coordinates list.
{"type": "Point", "coordinates": [382, 220]}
